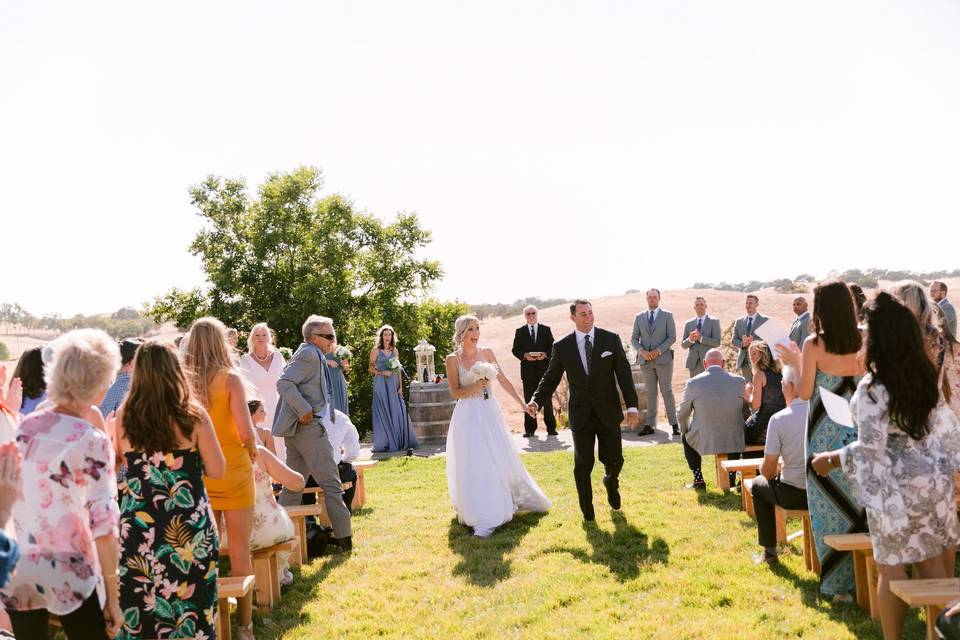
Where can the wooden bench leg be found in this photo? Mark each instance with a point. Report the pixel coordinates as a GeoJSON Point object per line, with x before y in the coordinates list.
{"type": "Point", "coordinates": [300, 531]}
{"type": "Point", "coordinates": [223, 619]}
{"type": "Point", "coordinates": [932, 612]}
{"type": "Point", "coordinates": [781, 516]}
{"type": "Point", "coordinates": [274, 579]}
{"type": "Point", "coordinates": [873, 593]}
{"type": "Point", "coordinates": [263, 591]}
{"type": "Point", "coordinates": [812, 547]}
{"type": "Point", "coordinates": [723, 478]}
{"type": "Point", "coordinates": [360, 495]}
{"type": "Point", "coordinates": [746, 495]}
{"type": "Point", "coordinates": [860, 580]}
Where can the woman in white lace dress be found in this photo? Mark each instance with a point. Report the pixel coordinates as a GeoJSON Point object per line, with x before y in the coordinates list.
{"type": "Point", "coordinates": [486, 480]}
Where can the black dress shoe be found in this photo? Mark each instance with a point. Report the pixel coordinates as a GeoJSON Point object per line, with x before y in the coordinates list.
{"type": "Point", "coordinates": [552, 433]}
{"type": "Point", "coordinates": [344, 544]}
{"type": "Point", "coordinates": [527, 435]}
{"type": "Point", "coordinates": [676, 429]}
{"type": "Point", "coordinates": [646, 431]}
{"type": "Point", "coordinates": [613, 493]}
{"type": "Point", "coordinates": [699, 486]}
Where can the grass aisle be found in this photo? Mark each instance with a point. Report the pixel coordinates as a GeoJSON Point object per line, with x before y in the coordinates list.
{"type": "Point", "coordinates": [671, 564]}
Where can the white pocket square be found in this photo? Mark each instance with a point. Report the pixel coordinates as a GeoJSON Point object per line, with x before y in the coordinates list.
{"type": "Point", "coordinates": [606, 353]}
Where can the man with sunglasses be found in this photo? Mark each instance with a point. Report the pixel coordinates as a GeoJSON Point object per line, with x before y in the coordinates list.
{"type": "Point", "coordinates": [532, 345]}
{"type": "Point", "coordinates": [304, 413]}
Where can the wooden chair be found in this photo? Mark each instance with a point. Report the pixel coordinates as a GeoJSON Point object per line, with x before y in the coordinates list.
{"type": "Point", "coordinates": [748, 470]}
{"type": "Point", "coordinates": [299, 514]}
{"type": "Point", "coordinates": [864, 570]}
{"type": "Point", "coordinates": [933, 595]}
{"type": "Point", "coordinates": [723, 480]}
{"type": "Point", "coordinates": [360, 466]}
{"type": "Point", "coordinates": [266, 569]}
{"type": "Point", "coordinates": [231, 587]}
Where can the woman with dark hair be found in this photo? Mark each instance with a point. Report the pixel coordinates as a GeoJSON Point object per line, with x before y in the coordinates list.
{"type": "Point", "coordinates": [766, 393]}
{"type": "Point", "coordinates": [391, 425]}
{"type": "Point", "coordinates": [168, 542]}
{"type": "Point", "coordinates": [30, 371]}
{"type": "Point", "coordinates": [904, 459]}
{"type": "Point", "coordinates": [830, 360]}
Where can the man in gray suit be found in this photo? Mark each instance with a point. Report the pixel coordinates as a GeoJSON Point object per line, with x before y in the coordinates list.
{"type": "Point", "coordinates": [700, 334]}
{"type": "Point", "coordinates": [938, 291]}
{"type": "Point", "coordinates": [801, 326]}
{"type": "Point", "coordinates": [743, 334]}
{"type": "Point", "coordinates": [654, 333]}
{"type": "Point", "coordinates": [304, 410]}
{"type": "Point", "coordinates": [715, 399]}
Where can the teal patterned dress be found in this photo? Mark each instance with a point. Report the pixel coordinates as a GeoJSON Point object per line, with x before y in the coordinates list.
{"type": "Point", "coordinates": [168, 548]}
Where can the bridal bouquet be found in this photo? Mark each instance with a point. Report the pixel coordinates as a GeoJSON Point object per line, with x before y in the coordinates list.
{"type": "Point", "coordinates": [485, 371]}
{"type": "Point", "coordinates": [393, 364]}
{"type": "Point", "coordinates": [342, 352]}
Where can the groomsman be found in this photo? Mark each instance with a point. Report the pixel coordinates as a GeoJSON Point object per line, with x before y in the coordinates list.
{"type": "Point", "coordinates": [700, 334]}
{"type": "Point", "coordinates": [654, 332]}
{"type": "Point", "coordinates": [743, 334]}
{"type": "Point", "coordinates": [938, 291]}
{"type": "Point", "coordinates": [801, 326]}
{"type": "Point", "coordinates": [532, 346]}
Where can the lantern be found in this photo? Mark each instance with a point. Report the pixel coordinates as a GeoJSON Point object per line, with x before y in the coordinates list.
{"type": "Point", "coordinates": [425, 365]}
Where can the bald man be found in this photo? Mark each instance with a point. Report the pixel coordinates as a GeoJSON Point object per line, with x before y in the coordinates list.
{"type": "Point", "coordinates": [801, 326]}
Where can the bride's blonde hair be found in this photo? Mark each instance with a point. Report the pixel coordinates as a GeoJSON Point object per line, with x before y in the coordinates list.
{"type": "Point", "coordinates": [459, 328]}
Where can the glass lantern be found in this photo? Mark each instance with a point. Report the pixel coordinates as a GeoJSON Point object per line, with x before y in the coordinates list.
{"type": "Point", "coordinates": [426, 370]}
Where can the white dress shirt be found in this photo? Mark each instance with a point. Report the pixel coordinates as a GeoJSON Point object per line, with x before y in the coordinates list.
{"type": "Point", "coordinates": [343, 436]}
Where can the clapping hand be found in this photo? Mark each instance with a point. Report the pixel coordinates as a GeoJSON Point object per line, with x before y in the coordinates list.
{"type": "Point", "coordinates": [747, 340]}
{"type": "Point", "coordinates": [695, 336]}
{"type": "Point", "coordinates": [14, 398]}
{"type": "Point", "coordinates": [789, 354]}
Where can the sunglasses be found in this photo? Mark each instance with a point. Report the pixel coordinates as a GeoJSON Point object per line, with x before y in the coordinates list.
{"type": "Point", "coordinates": [327, 336]}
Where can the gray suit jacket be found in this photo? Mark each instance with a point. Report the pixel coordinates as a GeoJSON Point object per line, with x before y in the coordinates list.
{"type": "Point", "coordinates": [715, 399]}
{"type": "Point", "coordinates": [800, 328]}
{"type": "Point", "coordinates": [302, 388]}
{"type": "Point", "coordinates": [740, 332]}
{"type": "Point", "coordinates": [709, 338]}
{"type": "Point", "coordinates": [662, 337]}
{"type": "Point", "coordinates": [951, 315]}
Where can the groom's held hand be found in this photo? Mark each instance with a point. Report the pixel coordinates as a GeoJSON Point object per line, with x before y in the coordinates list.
{"type": "Point", "coordinates": [532, 409]}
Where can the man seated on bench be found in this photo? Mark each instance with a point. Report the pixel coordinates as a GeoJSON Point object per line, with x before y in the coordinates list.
{"type": "Point", "coordinates": [786, 435]}
{"type": "Point", "coordinates": [715, 399]}
{"type": "Point", "coordinates": [345, 440]}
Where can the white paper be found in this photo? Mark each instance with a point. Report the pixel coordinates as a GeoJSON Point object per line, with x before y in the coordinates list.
{"type": "Point", "coordinates": [838, 408]}
{"type": "Point", "coordinates": [773, 334]}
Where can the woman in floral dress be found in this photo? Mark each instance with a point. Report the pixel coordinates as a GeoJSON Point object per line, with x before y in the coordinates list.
{"type": "Point", "coordinates": [169, 546]}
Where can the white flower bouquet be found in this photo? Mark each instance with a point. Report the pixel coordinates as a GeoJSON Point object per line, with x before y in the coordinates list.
{"type": "Point", "coordinates": [342, 352]}
{"type": "Point", "coordinates": [483, 370]}
{"type": "Point", "coordinates": [393, 364]}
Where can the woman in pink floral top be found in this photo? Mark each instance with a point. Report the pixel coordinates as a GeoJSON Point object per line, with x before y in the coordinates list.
{"type": "Point", "coordinates": [66, 523]}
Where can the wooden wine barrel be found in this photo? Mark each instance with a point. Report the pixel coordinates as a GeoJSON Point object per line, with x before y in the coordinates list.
{"type": "Point", "coordinates": [431, 406]}
{"type": "Point", "coordinates": [641, 390]}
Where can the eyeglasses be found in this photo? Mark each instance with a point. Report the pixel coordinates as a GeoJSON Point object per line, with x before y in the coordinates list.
{"type": "Point", "coordinates": [326, 336]}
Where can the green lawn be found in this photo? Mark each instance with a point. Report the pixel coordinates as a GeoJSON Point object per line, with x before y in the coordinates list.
{"type": "Point", "coordinates": [671, 564]}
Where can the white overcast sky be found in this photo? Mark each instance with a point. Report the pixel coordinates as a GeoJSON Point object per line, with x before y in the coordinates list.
{"type": "Point", "coordinates": [553, 148]}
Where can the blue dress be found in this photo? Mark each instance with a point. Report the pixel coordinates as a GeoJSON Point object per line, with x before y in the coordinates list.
{"type": "Point", "coordinates": [338, 382]}
{"type": "Point", "coordinates": [391, 425]}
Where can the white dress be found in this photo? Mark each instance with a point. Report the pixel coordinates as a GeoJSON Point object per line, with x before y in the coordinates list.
{"type": "Point", "coordinates": [265, 382]}
{"type": "Point", "coordinates": [486, 480]}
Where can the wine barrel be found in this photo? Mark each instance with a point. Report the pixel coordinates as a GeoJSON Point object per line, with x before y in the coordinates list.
{"type": "Point", "coordinates": [641, 390]}
{"type": "Point", "coordinates": [431, 406]}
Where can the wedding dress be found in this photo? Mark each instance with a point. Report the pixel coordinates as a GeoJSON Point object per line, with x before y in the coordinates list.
{"type": "Point", "coordinates": [485, 478]}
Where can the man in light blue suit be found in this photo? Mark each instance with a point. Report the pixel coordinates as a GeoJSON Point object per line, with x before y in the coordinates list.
{"type": "Point", "coordinates": [654, 332]}
{"type": "Point", "coordinates": [801, 326]}
{"type": "Point", "coordinates": [700, 334]}
{"type": "Point", "coordinates": [743, 334]}
{"type": "Point", "coordinates": [938, 291]}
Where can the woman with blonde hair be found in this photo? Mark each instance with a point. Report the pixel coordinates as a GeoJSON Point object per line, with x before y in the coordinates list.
{"type": "Point", "coordinates": [392, 430]}
{"type": "Point", "coordinates": [765, 392]}
{"type": "Point", "coordinates": [262, 365]}
{"type": "Point", "coordinates": [219, 387]}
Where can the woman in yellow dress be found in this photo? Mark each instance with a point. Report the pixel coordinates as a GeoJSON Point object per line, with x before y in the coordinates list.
{"type": "Point", "coordinates": [218, 384]}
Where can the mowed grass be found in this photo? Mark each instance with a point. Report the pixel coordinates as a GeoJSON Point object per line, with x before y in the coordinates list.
{"type": "Point", "coordinates": [670, 564]}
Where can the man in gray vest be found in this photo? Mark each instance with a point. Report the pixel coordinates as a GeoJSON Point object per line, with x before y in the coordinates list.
{"type": "Point", "coordinates": [303, 413]}
{"type": "Point", "coordinates": [938, 291]}
{"type": "Point", "coordinates": [743, 334]}
{"type": "Point", "coordinates": [801, 326]}
{"type": "Point", "coordinates": [700, 334]}
{"type": "Point", "coordinates": [654, 332]}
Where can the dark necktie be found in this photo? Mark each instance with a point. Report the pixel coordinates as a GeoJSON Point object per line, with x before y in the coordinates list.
{"type": "Point", "coordinates": [650, 319]}
{"type": "Point", "coordinates": [587, 350]}
{"type": "Point", "coordinates": [699, 324]}
{"type": "Point", "coordinates": [749, 326]}
{"type": "Point", "coordinates": [532, 337]}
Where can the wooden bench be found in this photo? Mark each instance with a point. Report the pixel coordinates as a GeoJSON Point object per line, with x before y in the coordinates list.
{"type": "Point", "coordinates": [748, 470]}
{"type": "Point", "coordinates": [360, 497]}
{"type": "Point", "coordinates": [723, 480]}
{"type": "Point", "coordinates": [231, 587]}
{"type": "Point", "coordinates": [266, 569]}
{"type": "Point", "coordinates": [864, 570]}
{"type": "Point", "coordinates": [321, 516]}
{"type": "Point", "coordinates": [810, 559]}
{"type": "Point", "coordinates": [299, 514]}
{"type": "Point", "coordinates": [933, 595]}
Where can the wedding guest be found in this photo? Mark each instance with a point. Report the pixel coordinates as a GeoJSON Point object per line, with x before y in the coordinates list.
{"type": "Point", "coordinates": [800, 328]}
{"type": "Point", "coordinates": [950, 356]}
{"type": "Point", "coordinates": [786, 488]}
{"type": "Point", "coordinates": [906, 440]}
{"type": "Point", "coordinates": [859, 299]}
{"type": "Point", "coordinates": [29, 370]}
{"type": "Point", "coordinates": [169, 546]}
{"type": "Point", "coordinates": [262, 365]}
{"type": "Point", "coordinates": [913, 296]}
{"type": "Point", "coordinates": [217, 384]}
{"type": "Point", "coordinates": [9, 402]}
{"type": "Point", "coordinates": [829, 360]}
{"type": "Point", "coordinates": [345, 442]}
{"type": "Point", "coordinates": [766, 392]}
{"type": "Point", "coordinates": [233, 338]}
{"type": "Point", "coordinates": [743, 333]}
{"type": "Point", "coordinates": [69, 465]}
{"type": "Point", "coordinates": [700, 334]}
{"type": "Point", "coordinates": [338, 361]}
{"type": "Point", "coordinates": [654, 333]}
{"type": "Point", "coordinates": [938, 291]}
{"type": "Point", "coordinates": [10, 471]}
{"type": "Point", "coordinates": [714, 399]}
{"type": "Point", "coordinates": [118, 390]}
{"type": "Point", "coordinates": [391, 425]}
{"type": "Point", "coordinates": [532, 346]}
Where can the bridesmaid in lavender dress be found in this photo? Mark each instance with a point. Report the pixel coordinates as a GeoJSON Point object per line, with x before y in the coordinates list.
{"type": "Point", "coordinates": [391, 425]}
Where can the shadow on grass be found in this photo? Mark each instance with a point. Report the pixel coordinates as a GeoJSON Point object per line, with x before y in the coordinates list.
{"type": "Point", "coordinates": [536, 445]}
{"type": "Point", "coordinates": [722, 501]}
{"type": "Point", "coordinates": [624, 552]}
{"type": "Point", "coordinates": [482, 560]}
{"type": "Point", "coordinates": [306, 588]}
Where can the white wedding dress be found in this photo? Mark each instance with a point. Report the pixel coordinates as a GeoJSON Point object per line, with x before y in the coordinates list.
{"type": "Point", "coordinates": [486, 480]}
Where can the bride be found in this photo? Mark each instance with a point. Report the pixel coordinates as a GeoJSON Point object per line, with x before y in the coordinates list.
{"type": "Point", "coordinates": [486, 480]}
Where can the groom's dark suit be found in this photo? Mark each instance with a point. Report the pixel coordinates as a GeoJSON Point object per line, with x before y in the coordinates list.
{"type": "Point", "coordinates": [594, 407]}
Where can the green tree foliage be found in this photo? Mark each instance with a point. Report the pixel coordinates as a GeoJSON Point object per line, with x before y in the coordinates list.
{"type": "Point", "coordinates": [4, 351]}
{"type": "Point", "coordinates": [505, 310]}
{"type": "Point", "coordinates": [289, 253]}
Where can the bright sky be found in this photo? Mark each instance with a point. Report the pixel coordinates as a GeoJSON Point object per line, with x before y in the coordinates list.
{"type": "Point", "coordinates": [554, 149]}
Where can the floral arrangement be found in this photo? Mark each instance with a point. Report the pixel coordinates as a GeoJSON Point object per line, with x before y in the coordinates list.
{"type": "Point", "coordinates": [393, 364]}
{"type": "Point", "coordinates": [342, 352]}
{"type": "Point", "coordinates": [483, 370]}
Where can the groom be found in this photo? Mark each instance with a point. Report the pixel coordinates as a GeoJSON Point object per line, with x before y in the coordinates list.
{"type": "Point", "coordinates": [595, 363]}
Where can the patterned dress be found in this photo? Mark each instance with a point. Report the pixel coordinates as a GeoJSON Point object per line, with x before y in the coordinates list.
{"type": "Point", "coordinates": [169, 548]}
{"type": "Point", "coordinates": [906, 485]}
{"type": "Point", "coordinates": [830, 500]}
